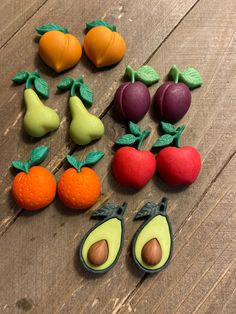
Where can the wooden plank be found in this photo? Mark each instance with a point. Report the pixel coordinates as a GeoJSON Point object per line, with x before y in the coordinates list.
{"type": "Point", "coordinates": [143, 32]}
{"type": "Point", "coordinates": [214, 301]}
{"type": "Point", "coordinates": [230, 305]}
{"type": "Point", "coordinates": [14, 14]}
{"type": "Point", "coordinates": [53, 280]}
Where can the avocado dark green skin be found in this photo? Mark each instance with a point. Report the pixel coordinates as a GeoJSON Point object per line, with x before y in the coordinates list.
{"type": "Point", "coordinates": [117, 215]}
{"type": "Point", "coordinates": [163, 213]}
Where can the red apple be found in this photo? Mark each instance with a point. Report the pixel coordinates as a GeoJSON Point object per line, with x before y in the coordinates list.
{"type": "Point", "coordinates": [178, 165]}
{"type": "Point", "coordinates": [132, 167]}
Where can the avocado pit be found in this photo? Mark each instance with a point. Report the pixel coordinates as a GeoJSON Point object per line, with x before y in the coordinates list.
{"type": "Point", "coordinates": [151, 252]}
{"type": "Point", "coordinates": [98, 253]}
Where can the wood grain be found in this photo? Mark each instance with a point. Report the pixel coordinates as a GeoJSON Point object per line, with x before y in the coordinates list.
{"type": "Point", "coordinates": [14, 14]}
{"type": "Point", "coordinates": [155, 20]}
{"type": "Point", "coordinates": [40, 269]}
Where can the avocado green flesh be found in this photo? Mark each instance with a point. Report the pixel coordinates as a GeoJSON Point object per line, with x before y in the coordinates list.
{"type": "Point", "coordinates": [111, 231]}
{"type": "Point", "coordinates": [157, 228]}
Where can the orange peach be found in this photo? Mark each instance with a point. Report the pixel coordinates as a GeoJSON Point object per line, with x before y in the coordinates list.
{"type": "Point", "coordinates": [103, 46]}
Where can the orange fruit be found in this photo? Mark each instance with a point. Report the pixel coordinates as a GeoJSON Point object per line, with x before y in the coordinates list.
{"type": "Point", "coordinates": [103, 46]}
{"type": "Point", "coordinates": [79, 190]}
{"type": "Point", "coordinates": [34, 190]}
{"type": "Point", "coordinates": [57, 48]}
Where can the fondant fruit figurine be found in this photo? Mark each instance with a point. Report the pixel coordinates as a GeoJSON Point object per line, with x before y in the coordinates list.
{"type": "Point", "coordinates": [152, 245]}
{"type": "Point", "coordinates": [176, 165]}
{"type": "Point", "coordinates": [39, 119]}
{"type": "Point", "coordinates": [130, 166]}
{"type": "Point", "coordinates": [58, 49]}
{"type": "Point", "coordinates": [79, 187]}
{"type": "Point", "coordinates": [103, 45]}
{"type": "Point", "coordinates": [34, 187]}
{"type": "Point", "coordinates": [85, 127]}
{"type": "Point", "coordinates": [172, 99]}
{"type": "Point", "coordinates": [101, 246]}
{"type": "Point", "coordinates": [132, 99]}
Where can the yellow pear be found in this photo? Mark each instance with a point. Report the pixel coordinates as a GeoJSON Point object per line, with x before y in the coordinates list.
{"type": "Point", "coordinates": [39, 119]}
{"type": "Point", "coordinates": [85, 127]}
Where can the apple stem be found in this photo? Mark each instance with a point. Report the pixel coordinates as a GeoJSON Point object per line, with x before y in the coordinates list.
{"type": "Point", "coordinates": [142, 137]}
{"type": "Point", "coordinates": [178, 135]}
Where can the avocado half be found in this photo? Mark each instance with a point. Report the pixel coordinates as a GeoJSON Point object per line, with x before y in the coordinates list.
{"type": "Point", "coordinates": [152, 245]}
{"type": "Point", "coordinates": [101, 246]}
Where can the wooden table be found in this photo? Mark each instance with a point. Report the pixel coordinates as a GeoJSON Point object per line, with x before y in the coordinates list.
{"type": "Point", "coordinates": [39, 267]}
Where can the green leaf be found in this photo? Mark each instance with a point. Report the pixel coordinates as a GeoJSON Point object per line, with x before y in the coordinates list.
{"type": "Point", "coordinates": [134, 128]}
{"type": "Point", "coordinates": [93, 157]}
{"type": "Point", "coordinates": [86, 94]}
{"type": "Point", "coordinates": [191, 77]}
{"type": "Point", "coordinates": [164, 140]}
{"type": "Point", "coordinates": [151, 209]}
{"type": "Point", "coordinates": [20, 77]}
{"type": "Point", "coordinates": [38, 154]}
{"type": "Point", "coordinates": [147, 210]}
{"type": "Point", "coordinates": [72, 161]}
{"type": "Point", "coordinates": [168, 128]}
{"type": "Point", "coordinates": [41, 87]}
{"type": "Point", "coordinates": [51, 27]}
{"type": "Point", "coordinates": [126, 139]}
{"type": "Point", "coordinates": [21, 165]}
{"type": "Point", "coordinates": [147, 75]}
{"type": "Point", "coordinates": [100, 23]}
{"type": "Point", "coordinates": [65, 84]}
{"type": "Point", "coordinates": [106, 210]}
{"type": "Point", "coordinates": [35, 73]}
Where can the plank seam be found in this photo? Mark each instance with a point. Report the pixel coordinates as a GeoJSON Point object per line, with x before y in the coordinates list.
{"type": "Point", "coordinates": [198, 281]}
{"type": "Point", "coordinates": [130, 294]}
{"type": "Point", "coordinates": [213, 287]}
{"type": "Point", "coordinates": [19, 29]}
{"type": "Point", "coordinates": [170, 33]}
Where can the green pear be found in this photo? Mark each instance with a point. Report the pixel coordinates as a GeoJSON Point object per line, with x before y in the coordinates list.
{"type": "Point", "coordinates": [85, 127]}
{"type": "Point", "coordinates": [39, 119]}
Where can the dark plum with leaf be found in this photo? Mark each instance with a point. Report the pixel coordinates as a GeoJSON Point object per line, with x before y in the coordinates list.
{"type": "Point", "coordinates": [132, 99]}
{"type": "Point", "coordinates": [172, 99]}
{"type": "Point", "coordinates": [133, 167]}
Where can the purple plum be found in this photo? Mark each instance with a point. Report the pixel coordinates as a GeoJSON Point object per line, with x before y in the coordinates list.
{"type": "Point", "coordinates": [132, 101]}
{"type": "Point", "coordinates": [172, 101]}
